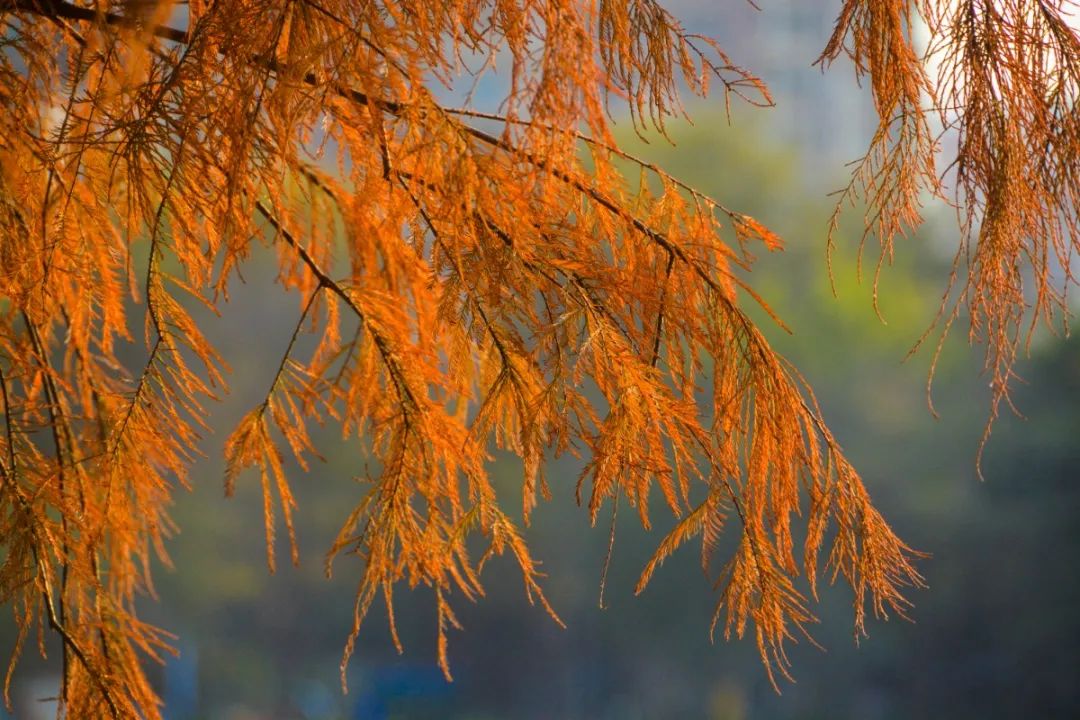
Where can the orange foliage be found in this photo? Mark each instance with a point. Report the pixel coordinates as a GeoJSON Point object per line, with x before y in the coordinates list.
{"type": "Point", "coordinates": [1007, 92]}
{"type": "Point", "coordinates": [506, 286]}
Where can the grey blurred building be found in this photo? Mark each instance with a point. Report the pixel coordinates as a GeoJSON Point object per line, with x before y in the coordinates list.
{"type": "Point", "coordinates": [828, 114]}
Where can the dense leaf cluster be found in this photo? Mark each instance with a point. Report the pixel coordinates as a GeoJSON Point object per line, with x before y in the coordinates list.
{"type": "Point", "coordinates": [471, 279]}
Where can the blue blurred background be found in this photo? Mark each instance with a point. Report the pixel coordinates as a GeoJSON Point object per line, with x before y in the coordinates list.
{"type": "Point", "coordinates": [995, 635]}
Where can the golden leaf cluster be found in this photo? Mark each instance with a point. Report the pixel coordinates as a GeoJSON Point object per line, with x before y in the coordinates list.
{"type": "Point", "coordinates": [473, 280]}
{"type": "Point", "coordinates": [1000, 80]}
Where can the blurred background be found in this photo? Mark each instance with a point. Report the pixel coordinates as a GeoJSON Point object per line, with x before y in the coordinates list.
{"type": "Point", "coordinates": [995, 635]}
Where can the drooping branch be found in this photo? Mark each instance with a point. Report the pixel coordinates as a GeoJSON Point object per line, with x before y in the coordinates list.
{"type": "Point", "coordinates": [493, 277]}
